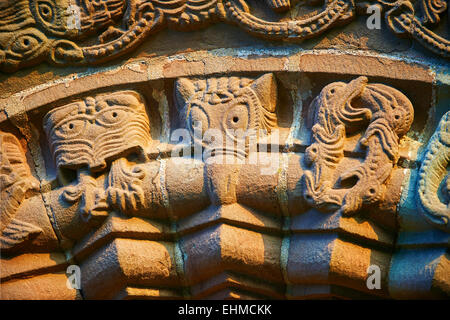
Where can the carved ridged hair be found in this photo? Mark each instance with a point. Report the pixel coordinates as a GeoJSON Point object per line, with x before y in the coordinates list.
{"type": "Point", "coordinates": [94, 130]}
{"type": "Point", "coordinates": [214, 91]}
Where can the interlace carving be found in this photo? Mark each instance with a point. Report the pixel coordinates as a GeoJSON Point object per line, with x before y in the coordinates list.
{"type": "Point", "coordinates": [402, 20]}
{"type": "Point", "coordinates": [55, 30]}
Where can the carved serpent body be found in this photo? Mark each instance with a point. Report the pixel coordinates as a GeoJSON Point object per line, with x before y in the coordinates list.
{"type": "Point", "coordinates": [151, 15]}
{"type": "Point", "coordinates": [39, 19]}
{"type": "Point", "coordinates": [433, 173]}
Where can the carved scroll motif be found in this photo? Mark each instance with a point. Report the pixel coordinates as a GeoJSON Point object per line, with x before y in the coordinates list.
{"type": "Point", "coordinates": [16, 182]}
{"type": "Point", "coordinates": [149, 16]}
{"type": "Point", "coordinates": [341, 109]}
{"type": "Point", "coordinates": [32, 31]}
{"type": "Point", "coordinates": [431, 9]}
{"type": "Point", "coordinates": [402, 20]}
{"type": "Point", "coordinates": [53, 30]}
{"type": "Point", "coordinates": [434, 178]}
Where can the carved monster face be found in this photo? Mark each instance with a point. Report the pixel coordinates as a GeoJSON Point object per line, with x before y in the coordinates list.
{"type": "Point", "coordinates": [52, 15]}
{"type": "Point", "coordinates": [96, 130]}
{"type": "Point", "coordinates": [227, 111]}
{"type": "Point", "coordinates": [73, 18]}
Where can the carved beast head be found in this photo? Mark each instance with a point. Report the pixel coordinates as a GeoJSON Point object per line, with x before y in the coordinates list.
{"type": "Point", "coordinates": [221, 113]}
{"type": "Point", "coordinates": [98, 129]}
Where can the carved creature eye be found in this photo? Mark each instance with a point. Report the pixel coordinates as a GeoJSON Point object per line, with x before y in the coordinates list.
{"type": "Point", "coordinates": [398, 118]}
{"type": "Point", "coordinates": [24, 44]}
{"type": "Point", "coordinates": [237, 117]}
{"type": "Point", "coordinates": [397, 115]}
{"type": "Point", "coordinates": [45, 10]}
{"type": "Point", "coordinates": [70, 128]}
{"type": "Point", "coordinates": [198, 119]}
{"type": "Point", "coordinates": [111, 116]}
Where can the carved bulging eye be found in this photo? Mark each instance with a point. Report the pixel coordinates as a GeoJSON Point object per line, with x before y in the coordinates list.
{"type": "Point", "coordinates": [398, 119]}
{"type": "Point", "coordinates": [397, 116]}
{"type": "Point", "coordinates": [112, 116]}
{"type": "Point", "coordinates": [70, 128]}
{"type": "Point", "coordinates": [331, 93]}
{"type": "Point", "coordinates": [311, 153]}
{"type": "Point", "coordinates": [45, 10]}
{"type": "Point", "coordinates": [237, 118]}
{"type": "Point", "coordinates": [24, 44]}
{"type": "Point", "coordinates": [198, 120]}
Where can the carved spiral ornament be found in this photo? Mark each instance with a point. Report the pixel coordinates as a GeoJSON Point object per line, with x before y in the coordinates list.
{"type": "Point", "coordinates": [124, 25]}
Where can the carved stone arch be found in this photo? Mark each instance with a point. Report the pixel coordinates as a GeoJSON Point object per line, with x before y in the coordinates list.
{"type": "Point", "coordinates": [307, 210]}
